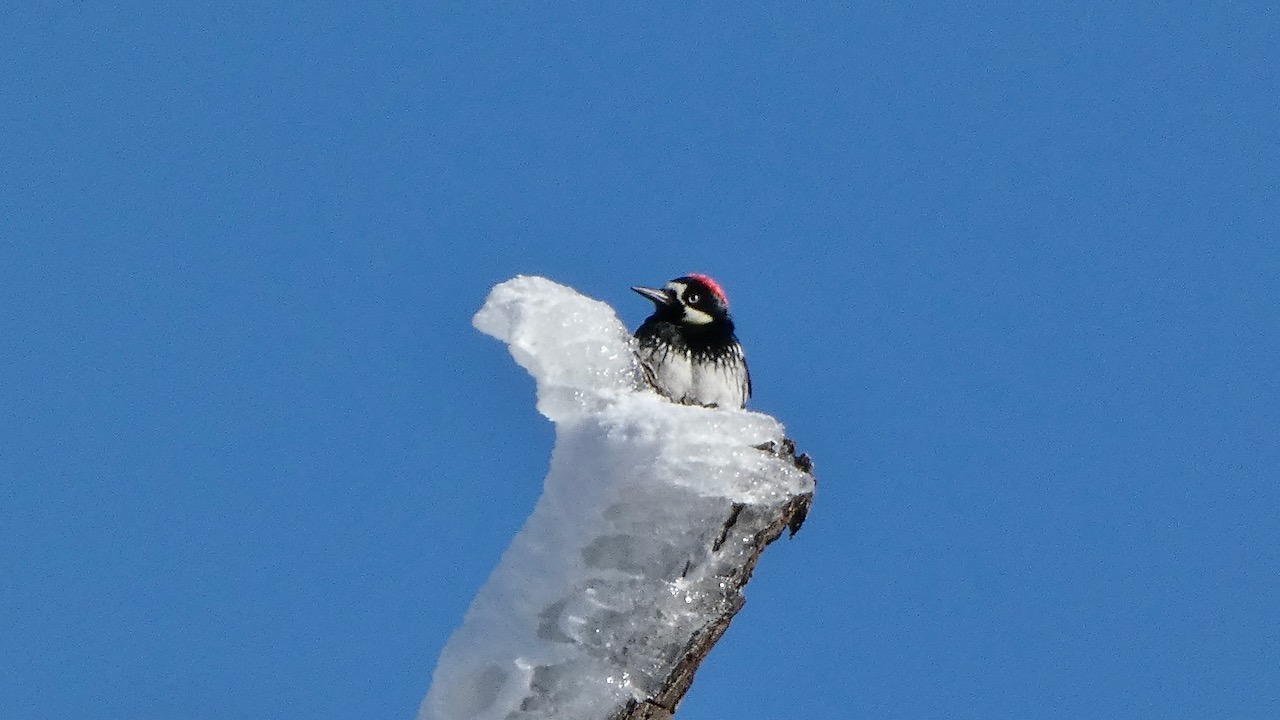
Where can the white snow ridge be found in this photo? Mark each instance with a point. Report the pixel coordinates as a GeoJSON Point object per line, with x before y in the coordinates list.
{"type": "Point", "coordinates": [614, 571]}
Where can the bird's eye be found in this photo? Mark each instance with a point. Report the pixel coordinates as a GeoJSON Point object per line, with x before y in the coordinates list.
{"type": "Point", "coordinates": [692, 298]}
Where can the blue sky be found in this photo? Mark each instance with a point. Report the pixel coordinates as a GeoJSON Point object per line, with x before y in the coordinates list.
{"type": "Point", "coordinates": [1009, 273]}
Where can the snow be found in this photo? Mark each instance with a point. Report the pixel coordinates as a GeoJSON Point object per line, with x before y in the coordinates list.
{"type": "Point", "coordinates": [614, 570]}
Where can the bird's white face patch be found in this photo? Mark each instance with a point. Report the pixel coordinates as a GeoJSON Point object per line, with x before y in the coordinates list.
{"type": "Point", "coordinates": [692, 315]}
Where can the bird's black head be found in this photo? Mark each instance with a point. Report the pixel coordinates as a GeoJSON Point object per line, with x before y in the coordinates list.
{"type": "Point", "coordinates": [691, 301]}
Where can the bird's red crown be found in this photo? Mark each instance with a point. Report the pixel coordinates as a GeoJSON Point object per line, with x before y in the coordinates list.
{"type": "Point", "coordinates": [711, 283]}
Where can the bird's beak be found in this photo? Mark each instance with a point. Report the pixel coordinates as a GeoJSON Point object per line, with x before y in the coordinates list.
{"type": "Point", "coordinates": [661, 297]}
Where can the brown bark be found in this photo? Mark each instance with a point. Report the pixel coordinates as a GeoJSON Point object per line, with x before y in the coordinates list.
{"type": "Point", "coordinates": [764, 523]}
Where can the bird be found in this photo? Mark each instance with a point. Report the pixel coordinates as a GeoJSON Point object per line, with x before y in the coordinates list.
{"type": "Point", "coordinates": [687, 348]}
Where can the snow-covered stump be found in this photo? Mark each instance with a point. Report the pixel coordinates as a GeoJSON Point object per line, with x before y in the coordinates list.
{"type": "Point", "coordinates": [631, 566]}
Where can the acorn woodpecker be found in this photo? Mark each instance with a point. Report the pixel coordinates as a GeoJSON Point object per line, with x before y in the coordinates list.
{"type": "Point", "coordinates": [687, 348]}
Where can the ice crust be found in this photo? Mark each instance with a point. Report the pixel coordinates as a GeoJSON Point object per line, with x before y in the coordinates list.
{"type": "Point", "coordinates": [599, 593]}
